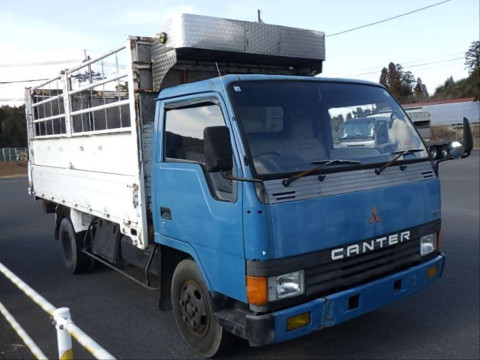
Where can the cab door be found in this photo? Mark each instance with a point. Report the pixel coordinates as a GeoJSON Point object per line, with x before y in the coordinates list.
{"type": "Point", "coordinates": [194, 210]}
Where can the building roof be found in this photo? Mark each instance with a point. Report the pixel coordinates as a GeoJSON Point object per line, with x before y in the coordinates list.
{"type": "Point", "coordinates": [437, 102]}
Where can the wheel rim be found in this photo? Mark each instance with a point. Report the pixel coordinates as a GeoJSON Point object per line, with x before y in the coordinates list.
{"type": "Point", "coordinates": [194, 309]}
{"type": "Point", "coordinates": [67, 247]}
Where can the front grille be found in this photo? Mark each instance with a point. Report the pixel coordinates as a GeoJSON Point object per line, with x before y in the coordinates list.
{"type": "Point", "coordinates": [342, 274]}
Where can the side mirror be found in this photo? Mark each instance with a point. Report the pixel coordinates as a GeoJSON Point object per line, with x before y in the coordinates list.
{"type": "Point", "coordinates": [217, 149]}
{"type": "Point", "coordinates": [455, 150]}
{"type": "Point", "coordinates": [467, 138]}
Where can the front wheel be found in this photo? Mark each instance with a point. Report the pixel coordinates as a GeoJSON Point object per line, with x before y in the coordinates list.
{"type": "Point", "coordinates": [193, 312]}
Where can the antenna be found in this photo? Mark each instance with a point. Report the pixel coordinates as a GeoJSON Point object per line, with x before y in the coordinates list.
{"type": "Point", "coordinates": [259, 16]}
{"type": "Point", "coordinates": [220, 76]}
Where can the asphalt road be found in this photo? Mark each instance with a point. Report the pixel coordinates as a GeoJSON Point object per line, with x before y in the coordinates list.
{"type": "Point", "coordinates": [442, 322]}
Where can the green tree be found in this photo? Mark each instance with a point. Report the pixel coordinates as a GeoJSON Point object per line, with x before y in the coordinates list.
{"type": "Point", "coordinates": [384, 77]}
{"type": "Point", "coordinates": [337, 121]}
{"type": "Point", "coordinates": [420, 92]}
{"type": "Point", "coordinates": [361, 113]}
{"type": "Point", "coordinates": [13, 131]}
{"type": "Point", "coordinates": [451, 89]}
{"type": "Point", "coordinates": [399, 82]}
{"type": "Point", "coordinates": [122, 87]}
{"type": "Point", "coordinates": [472, 57]}
{"type": "Point", "coordinates": [468, 87]}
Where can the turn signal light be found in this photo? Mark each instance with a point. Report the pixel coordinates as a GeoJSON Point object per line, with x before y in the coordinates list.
{"type": "Point", "coordinates": [257, 290]}
{"type": "Point", "coordinates": [432, 271]}
{"type": "Point", "coordinates": [298, 321]}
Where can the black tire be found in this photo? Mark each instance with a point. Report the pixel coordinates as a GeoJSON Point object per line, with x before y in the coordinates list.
{"type": "Point", "coordinates": [192, 308]}
{"type": "Point", "coordinates": [71, 245]}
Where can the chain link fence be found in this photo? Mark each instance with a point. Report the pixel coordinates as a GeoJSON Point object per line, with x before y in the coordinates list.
{"type": "Point", "coordinates": [13, 154]}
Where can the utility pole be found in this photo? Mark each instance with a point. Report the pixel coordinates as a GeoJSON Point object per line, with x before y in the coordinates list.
{"type": "Point", "coordinates": [86, 57]}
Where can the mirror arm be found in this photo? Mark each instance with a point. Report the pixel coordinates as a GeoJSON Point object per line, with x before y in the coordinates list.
{"type": "Point", "coordinates": [466, 154]}
{"type": "Point", "coordinates": [229, 177]}
{"type": "Point", "coordinates": [443, 160]}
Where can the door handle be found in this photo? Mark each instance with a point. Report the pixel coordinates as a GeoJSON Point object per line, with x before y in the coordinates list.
{"type": "Point", "coordinates": [165, 213]}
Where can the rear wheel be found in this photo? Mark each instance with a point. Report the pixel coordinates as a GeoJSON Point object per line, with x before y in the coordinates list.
{"type": "Point", "coordinates": [71, 244]}
{"type": "Point", "coordinates": [193, 311]}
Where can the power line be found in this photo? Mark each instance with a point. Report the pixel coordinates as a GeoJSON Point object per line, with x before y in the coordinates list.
{"type": "Point", "coordinates": [111, 64]}
{"type": "Point", "coordinates": [436, 62]}
{"type": "Point", "coordinates": [416, 65]}
{"type": "Point", "coordinates": [377, 71]}
{"type": "Point", "coordinates": [427, 84]}
{"type": "Point", "coordinates": [20, 81]}
{"type": "Point", "coordinates": [40, 63]}
{"type": "Point", "coordinates": [391, 18]}
{"type": "Point", "coordinates": [403, 63]}
{"type": "Point", "coordinates": [435, 57]}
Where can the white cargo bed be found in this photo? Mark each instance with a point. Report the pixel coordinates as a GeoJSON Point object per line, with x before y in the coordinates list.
{"type": "Point", "coordinates": [84, 143]}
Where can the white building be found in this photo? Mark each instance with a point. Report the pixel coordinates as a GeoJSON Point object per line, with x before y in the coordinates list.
{"type": "Point", "coordinates": [449, 112]}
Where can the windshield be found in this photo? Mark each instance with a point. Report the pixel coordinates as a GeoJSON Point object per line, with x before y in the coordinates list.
{"type": "Point", "coordinates": [289, 125]}
{"type": "Point", "coordinates": [358, 129]}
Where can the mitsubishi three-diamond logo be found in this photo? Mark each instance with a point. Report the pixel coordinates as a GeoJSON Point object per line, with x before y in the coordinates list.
{"type": "Point", "coordinates": [375, 217]}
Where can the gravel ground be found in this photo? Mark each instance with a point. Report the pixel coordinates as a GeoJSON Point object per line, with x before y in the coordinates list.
{"type": "Point", "coordinates": [12, 169]}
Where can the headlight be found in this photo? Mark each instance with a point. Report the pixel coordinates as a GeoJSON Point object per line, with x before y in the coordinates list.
{"type": "Point", "coordinates": [428, 244]}
{"type": "Point", "coordinates": [286, 285]}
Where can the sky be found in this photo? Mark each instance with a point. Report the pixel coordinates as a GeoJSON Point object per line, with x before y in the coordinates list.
{"type": "Point", "coordinates": [430, 43]}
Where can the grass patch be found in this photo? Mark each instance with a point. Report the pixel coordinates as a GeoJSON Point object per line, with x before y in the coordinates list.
{"type": "Point", "coordinates": [450, 133]}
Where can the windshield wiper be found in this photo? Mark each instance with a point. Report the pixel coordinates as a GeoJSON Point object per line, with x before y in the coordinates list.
{"type": "Point", "coordinates": [322, 163]}
{"type": "Point", "coordinates": [399, 154]}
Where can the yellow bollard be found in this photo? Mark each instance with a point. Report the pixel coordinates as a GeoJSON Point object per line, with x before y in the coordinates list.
{"type": "Point", "coordinates": [61, 317]}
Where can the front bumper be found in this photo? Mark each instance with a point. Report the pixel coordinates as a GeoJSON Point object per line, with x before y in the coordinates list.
{"type": "Point", "coordinates": [342, 306]}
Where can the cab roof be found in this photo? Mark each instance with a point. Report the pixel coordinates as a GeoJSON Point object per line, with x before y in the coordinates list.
{"type": "Point", "coordinates": [219, 84]}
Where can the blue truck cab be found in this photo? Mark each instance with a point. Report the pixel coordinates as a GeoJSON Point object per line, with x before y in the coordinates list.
{"type": "Point", "coordinates": [236, 191]}
{"type": "Point", "coordinates": [290, 232]}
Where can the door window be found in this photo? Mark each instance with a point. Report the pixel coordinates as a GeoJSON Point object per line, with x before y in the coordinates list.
{"type": "Point", "coordinates": [184, 142]}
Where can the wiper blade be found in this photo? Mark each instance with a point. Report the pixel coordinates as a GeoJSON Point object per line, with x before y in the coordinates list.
{"type": "Point", "coordinates": [406, 152]}
{"type": "Point", "coordinates": [335, 161]}
{"type": "Point", "coordinates": [399, 154]}
{"type": "Point", "coordinates": [322, 163]}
